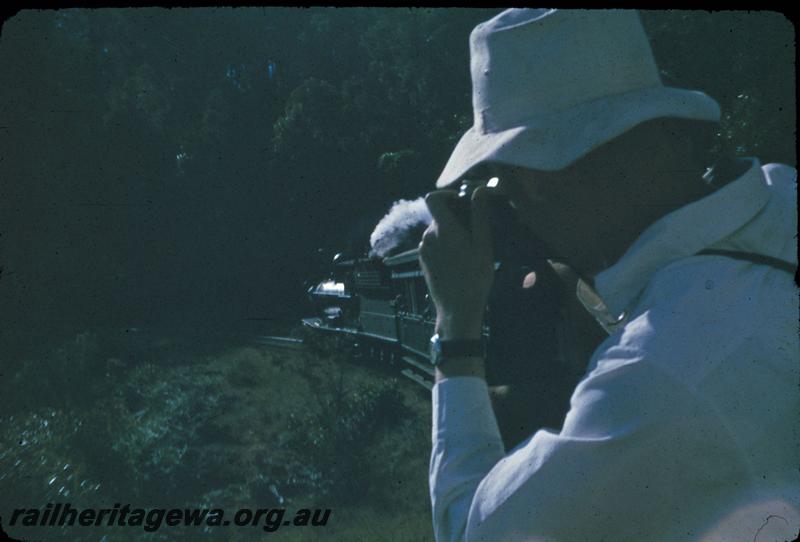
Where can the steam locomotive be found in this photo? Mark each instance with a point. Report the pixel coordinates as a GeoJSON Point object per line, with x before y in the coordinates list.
{"type": "Point", "coordinates": [383, 304]}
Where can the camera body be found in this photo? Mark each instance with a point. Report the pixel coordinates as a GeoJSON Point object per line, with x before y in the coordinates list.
{"type": "Point", "coordinates": [512, 240]}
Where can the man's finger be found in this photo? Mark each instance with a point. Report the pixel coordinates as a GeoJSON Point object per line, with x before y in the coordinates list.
{"type": "Point", "coordinates": [438, 203]}
{"type": "Point", "coordinates": [429, 235]}
{"type": "Point", "coordinates": [481, 234]}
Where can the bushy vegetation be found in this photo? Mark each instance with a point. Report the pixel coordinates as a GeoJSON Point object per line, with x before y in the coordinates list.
{"type": "Point", "coordinates": [247, 427]}
{"type": "Point", "coordinates": [164, 162]}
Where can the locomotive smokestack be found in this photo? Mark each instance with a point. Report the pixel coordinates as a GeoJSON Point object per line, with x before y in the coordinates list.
{"type": "Point", "coordinates": [401, 229]}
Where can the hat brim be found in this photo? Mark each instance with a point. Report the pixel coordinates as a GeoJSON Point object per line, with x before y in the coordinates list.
{"type": "Point", "coordinates": [552, 142]}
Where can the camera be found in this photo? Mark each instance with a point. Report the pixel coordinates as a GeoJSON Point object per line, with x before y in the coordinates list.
{"type": "Point", "coordinates": [462, 205]}
{"type": "Point", "coordinates": [512, 241]}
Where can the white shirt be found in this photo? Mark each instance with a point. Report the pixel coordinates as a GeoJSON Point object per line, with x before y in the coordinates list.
{"type": "Point", "coordinates": [686, 425]}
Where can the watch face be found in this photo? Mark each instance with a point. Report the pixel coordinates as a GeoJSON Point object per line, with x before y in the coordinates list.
{"type": "Point", "coordinates": [436, 350]}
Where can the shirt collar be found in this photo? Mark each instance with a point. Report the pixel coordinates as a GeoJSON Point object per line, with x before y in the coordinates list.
{"type": "Point", "coordinates": [679, 234]}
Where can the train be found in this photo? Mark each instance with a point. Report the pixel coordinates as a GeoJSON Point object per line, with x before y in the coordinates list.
{"type": "Point", "coordinates": [536, 353]}
{"type": "Point", "coordinates": [384, 306]}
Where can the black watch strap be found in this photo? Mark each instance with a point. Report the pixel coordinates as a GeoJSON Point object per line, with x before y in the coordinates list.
{"type": "Point", "coordinates": [454, 349]}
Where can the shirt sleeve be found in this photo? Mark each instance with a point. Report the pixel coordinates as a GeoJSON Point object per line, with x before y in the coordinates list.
{"type": "Point", "coordinates": [637, 449]}
{"type": "Point", "coordinates": [466, 445]}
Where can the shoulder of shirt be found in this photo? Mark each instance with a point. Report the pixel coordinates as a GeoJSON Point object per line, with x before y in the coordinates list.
{"type": "Point", "coordinates": [782, 182]}
{"type": "Point", "coordinates": [693, 314]}
{"type": "Point", "coordinates": [779, 172]}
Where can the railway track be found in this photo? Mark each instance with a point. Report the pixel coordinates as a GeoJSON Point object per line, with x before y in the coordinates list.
{"type": "Point", "coordinates": [280, 342]}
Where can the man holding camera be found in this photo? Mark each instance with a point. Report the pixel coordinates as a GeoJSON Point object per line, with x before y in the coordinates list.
{"type": "Point", "coordinates": [685, 425]}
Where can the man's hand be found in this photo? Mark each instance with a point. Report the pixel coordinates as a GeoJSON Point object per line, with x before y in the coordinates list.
{"type": "Point", "coordinates": [457, 264]}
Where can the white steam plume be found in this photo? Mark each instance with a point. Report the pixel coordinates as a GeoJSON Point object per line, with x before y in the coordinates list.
{"type": "Point", "coordinates": [401, 228]}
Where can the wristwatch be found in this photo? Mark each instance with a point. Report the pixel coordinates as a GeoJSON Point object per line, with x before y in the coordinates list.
{"type": "Point", "coordinates": [442, 350]}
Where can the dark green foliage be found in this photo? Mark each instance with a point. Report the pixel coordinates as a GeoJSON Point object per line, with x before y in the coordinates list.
{"type": "Point", "coordinates": [337, 440]}
{"type": "Point", "coordinates": [50, 381]}
{"type": "Point", "coordinates": [163, 174]}
{"type": "Point", "coordinates": [243, 427]}
{"type": "Point", "coordinates": [743, 59]}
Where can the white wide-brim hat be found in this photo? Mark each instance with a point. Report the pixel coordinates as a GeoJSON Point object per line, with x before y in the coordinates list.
{"type": "Point", "coordinates": [549, 86]}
